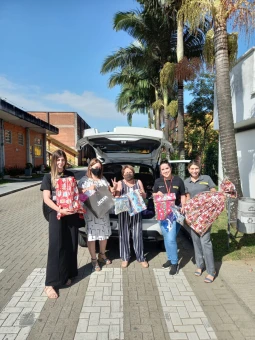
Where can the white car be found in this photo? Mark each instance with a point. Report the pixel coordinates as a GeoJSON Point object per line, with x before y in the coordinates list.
{"type": "Point", "coordinates": [139, 147]}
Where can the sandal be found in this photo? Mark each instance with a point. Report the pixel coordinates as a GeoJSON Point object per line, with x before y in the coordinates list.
{"type": "Point", "coordinates": [50, 292]}
{"type": "Point", "coordinates": [102, 259]}
{"type": "Point", "coordinates": [95, 265]}
{"type": "Point", "coordinates": [124, 264]}
{"type": "Point", "coordinates": [198, 272]}
{"type": "Point", "coordinates": [208, 280]}
{"type": "Point", "coordinates": [68, 282]}
{"type": "Point", "coordinates": [144, 264]}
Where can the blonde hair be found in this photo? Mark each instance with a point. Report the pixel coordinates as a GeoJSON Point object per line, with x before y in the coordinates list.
{"type": "Point", "coordinates": [91, 163]}
{"type": "Point", "coordinates": [54, 169]}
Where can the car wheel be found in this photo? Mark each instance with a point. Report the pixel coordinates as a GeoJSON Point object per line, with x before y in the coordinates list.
{"type": "Point", "coordinates": [82, 240]}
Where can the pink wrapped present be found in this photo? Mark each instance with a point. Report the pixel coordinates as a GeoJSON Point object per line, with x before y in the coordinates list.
{"type": "Point", "coordinates": [83, 197]}
{"type": "Point", "coordinates": [163, 204]}
{"type": "Point", "coordinates": [67, 195]}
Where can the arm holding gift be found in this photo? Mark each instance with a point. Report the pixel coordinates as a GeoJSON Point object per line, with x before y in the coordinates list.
{"type": "Point", "coordinates": [141, 189]}
{"type": "Point", "coordinates": [47, 200]}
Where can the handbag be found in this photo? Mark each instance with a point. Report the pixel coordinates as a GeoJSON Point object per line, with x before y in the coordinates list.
{"type": "Point", "coordinates": [100, 202]}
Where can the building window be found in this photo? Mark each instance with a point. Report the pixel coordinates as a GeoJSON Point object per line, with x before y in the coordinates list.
{"type": "Point", "coordinates": [20, 139]}
{"type": "Point", "coordinates": [8, 136]}
{"type": "Point", "coordinates": [38, 141]}
{"type": "Point", "coordinates": [38, 147]}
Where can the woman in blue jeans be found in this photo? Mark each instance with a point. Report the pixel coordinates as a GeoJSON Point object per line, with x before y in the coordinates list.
{"type": "Point", "coordinates": [167, 183]}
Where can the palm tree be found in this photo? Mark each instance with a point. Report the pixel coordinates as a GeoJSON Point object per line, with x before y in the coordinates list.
{"type": "Point", "coordinates": [167, 82]}
{"type": "Point", "coordinates": [136, 95]}
{"type": "Point", "coordinates": [146, 57]}
{"type": "Point", "coordinates": [185, 45]}
{"type": "Point", "coordinates": [137, 73]}
{"type": "Point", "coordinates": [241, 14]}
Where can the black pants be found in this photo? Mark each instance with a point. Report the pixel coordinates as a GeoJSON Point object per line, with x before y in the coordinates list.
{"type": "Point", "coordinates": [63, 247]}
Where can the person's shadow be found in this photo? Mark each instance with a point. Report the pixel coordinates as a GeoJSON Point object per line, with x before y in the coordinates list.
{"type": "Point", "coordinates": [186, 249]}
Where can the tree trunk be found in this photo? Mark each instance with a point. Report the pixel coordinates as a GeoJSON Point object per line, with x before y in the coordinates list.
{"type": "Point", "coordinates": [157, 113]}
{"type": "Point", "coordinates": [180, 118]}
{"type": "Point", "coordinates": [166, 116]}
{"type": "Point", "coordinates": [180, 121]}
{"type": "Point", "coordinates": [224, 104]}
{"type": "Point", "coordinates": [149, 119]}
{"type": "Point", "coordinates": [180, 44]}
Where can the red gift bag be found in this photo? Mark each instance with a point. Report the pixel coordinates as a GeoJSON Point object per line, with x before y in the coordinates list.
{"type": "Point", "coordinates": [163, 204]}
{"type": "Point", "coordinates": [67, 195]}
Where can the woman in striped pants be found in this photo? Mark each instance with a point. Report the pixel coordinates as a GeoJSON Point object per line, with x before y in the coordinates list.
{"type": "Point", "coordinates": [130, 223]}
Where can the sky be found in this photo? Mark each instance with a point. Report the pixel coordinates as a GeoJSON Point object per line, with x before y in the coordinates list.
{"type": "Point", "coordinates": [52, 52]}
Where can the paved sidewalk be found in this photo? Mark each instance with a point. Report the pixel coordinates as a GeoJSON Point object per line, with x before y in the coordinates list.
{"type": "Point", "coordinates": [11, 187]}
{"type": "Point", "coordinates": [17, 185]}
{"type": "Point", "coordinates": [156, 306]}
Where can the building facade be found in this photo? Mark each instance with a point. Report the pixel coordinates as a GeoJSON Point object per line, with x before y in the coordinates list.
{"type": "Point", "coordinates": [71, 127]}
{"type": "Point", "coordinates": [22, 137]}
{"type": "Point", "coordinates": [242, 81]}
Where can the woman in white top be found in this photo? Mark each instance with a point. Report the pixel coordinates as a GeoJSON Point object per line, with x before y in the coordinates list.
{"type": "Point", "coordinates": [96, 228]}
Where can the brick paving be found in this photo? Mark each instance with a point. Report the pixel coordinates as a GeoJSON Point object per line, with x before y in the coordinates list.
{"type": "Point", "coordinates": [101, 316]}
{"type": "Point", "coordinates": [225, 308]}
{"type": "Point", "coordinates": [183, 313]}
{"type": "Point", "coordinates": [24, 307]}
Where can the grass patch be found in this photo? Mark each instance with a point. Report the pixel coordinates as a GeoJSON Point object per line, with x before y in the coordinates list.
{"type": "Point", "coordinates": [3, 181]}
{"type": "Point", "coordinates": [242, 247]}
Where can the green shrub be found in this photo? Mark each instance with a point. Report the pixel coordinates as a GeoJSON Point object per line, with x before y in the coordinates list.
{"type": "Point", "coordinates": [37, 168]}
{"type": "Point", "coordinates": [29, 165]}
{"type": "Point", "coordinates": [14, 171]}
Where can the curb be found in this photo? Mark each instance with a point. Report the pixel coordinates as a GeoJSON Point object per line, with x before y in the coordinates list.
{"type": "Point", "coordinates": [15, 190]}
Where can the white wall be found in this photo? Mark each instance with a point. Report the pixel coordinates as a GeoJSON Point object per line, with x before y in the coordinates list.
{"type": "Point", "coordinates": [242, 83]}
{"type": "Point", "coordinates": [245, 144]}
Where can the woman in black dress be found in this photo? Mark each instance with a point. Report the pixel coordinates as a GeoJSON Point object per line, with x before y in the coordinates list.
{"type": "Point", "coordinates": [63, 233]}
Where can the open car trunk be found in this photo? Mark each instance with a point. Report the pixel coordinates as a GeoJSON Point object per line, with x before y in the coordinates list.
{"type": "Point", "coordinates": [126, 144]}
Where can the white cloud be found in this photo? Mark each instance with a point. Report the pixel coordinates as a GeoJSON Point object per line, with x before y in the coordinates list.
{"type": "Point", "coordinates": [27, 98]}
{"type": "Point", "coordinates": [87, 102]}
{"type": "Point", "coordinates": [96, 111]}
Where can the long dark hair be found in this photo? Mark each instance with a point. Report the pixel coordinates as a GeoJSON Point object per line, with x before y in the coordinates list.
{"type": "Point", "coordinates": [91, 163]}
{"type": "Point", "coordinates": [165, 161]}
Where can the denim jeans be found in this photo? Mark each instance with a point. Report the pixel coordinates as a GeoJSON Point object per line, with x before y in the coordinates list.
{"type": "Point", "coordinates": [170, 241]}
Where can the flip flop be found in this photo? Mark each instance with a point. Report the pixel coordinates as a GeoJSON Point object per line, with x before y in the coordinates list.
{"type": "Point", "coordinates": [68, 282]}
